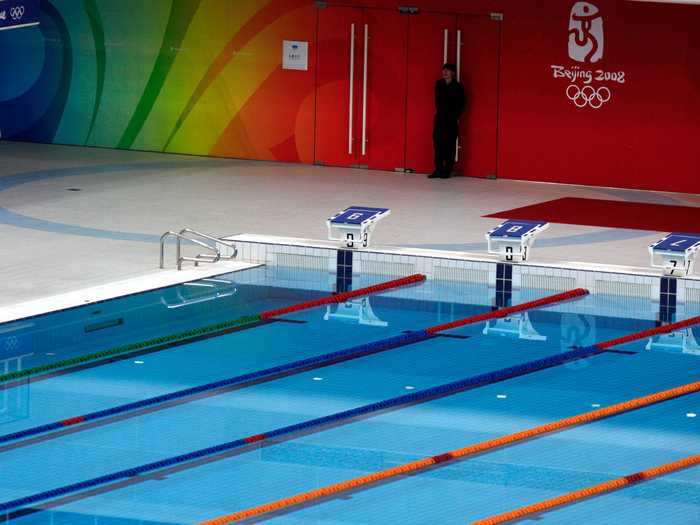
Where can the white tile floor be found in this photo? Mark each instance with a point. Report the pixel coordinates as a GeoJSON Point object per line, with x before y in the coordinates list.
{"type": "Point", "coordinates": [55, 241]}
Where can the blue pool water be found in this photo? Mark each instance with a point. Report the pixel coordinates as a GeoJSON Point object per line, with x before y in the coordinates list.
{"type": "Point", "coordinates": [454, 493]}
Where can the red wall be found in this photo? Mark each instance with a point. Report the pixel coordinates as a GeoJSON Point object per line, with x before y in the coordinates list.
{"type": "Point", "coordinates": [644, 137]}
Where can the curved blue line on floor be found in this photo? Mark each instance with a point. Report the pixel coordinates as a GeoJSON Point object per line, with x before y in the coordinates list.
{"type": "Point", "coordinates": [10, 181]}
{"type": "Point", "coordinates": [23, 221]}
{"type": "Point", "coordinates": [19, 220]}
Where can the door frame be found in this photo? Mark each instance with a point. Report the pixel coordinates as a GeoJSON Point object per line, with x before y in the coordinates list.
{"type": "Point", "coordinates": [405, 11]}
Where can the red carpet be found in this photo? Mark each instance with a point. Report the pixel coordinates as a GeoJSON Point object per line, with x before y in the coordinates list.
{"type": "Point", "coordinates": [610, 214]}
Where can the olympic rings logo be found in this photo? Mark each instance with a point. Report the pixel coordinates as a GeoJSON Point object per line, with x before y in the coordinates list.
{"type": "Point", "coordinates": [588, 96]}
{"type": "Point", "coordinates": [16, 13]}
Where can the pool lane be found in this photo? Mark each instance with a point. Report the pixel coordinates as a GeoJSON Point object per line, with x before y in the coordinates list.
{"type": "Point", "coordinates": [484, 354]}
{"type": "Point", "coordinates": [164, 342]}
{"type": "Point", "coordinates": [592, 491]}
{"type": "Point", "coordinates": [199, 363]}
{"type": "Point", "coordinates": [163, 401]}
{"type": "Point", "coordinates": [672, 499]}
{"type": "Point", "coordinates": [288, 504]}
{"type": "Point", "coordinates": [250, 411]}
{"type": "Point", "coordinates": [478, 487]}
{"type": "Point", "coordinates": [416, 431]}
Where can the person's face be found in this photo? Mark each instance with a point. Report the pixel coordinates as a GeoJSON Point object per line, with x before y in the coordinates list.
{"type": "Point", "coordinates": [448, 75]}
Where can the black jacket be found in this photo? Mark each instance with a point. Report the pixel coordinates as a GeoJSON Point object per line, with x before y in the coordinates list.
{"type": "Point", "coordinates": [449, 100]}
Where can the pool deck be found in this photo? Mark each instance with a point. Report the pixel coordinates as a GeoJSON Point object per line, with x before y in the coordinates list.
{"type": "Point", "coordinates": [57, 240]}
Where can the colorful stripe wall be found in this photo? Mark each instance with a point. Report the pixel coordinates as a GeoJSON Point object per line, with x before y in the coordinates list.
{"type": "Point", "coordinates": [182, 76]}
{"type": "Point", "coordinates": [204, 77]}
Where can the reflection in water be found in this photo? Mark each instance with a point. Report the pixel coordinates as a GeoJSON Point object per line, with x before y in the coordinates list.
{"type": "Point", "coordinates": [354, 311]}
{"type": "Point", "coordinates": [14, 400]}
{"type": "Point", "coordinates": [518, 325]}
{"type": "Point", "coordinates": [201, 291]}
{"type": "Point", "coordinates": [577, 331]}
{"type": "Point", "coordinates": [681, 341]}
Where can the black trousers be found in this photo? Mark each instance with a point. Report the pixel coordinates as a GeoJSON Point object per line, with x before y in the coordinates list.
{"type": "Point", "coordinates": [445, 132]}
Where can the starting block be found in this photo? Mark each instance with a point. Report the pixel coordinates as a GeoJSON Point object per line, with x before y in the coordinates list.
{"type": "Point", "coordinates": [675, 253]}
{"type": "Point", "coordinates": [355, 225]}
{"type": "Point", "coordinates": [513, 240]}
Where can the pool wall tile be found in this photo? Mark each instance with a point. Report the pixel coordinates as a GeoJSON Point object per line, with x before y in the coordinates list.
{"type": "Point", "coordinates": [612, 286]}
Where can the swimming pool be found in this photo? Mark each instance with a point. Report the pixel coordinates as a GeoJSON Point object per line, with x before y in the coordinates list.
{"type": "Point", "coordinates": [263, 470]}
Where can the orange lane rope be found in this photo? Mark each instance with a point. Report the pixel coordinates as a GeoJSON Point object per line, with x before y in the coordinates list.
{"type": "Point", "coordinates": [471, 450]}
{"type": "Point", "coordinates": [590, 492]}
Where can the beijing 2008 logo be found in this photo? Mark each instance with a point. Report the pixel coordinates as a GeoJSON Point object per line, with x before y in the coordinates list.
{"type": "Point", "coordinates": [586, 46]}
{"type": "Point", "coordinates": [586, 35]}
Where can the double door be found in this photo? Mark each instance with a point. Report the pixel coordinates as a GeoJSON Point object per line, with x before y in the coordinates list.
{"type": "Point", "coordinates": [375, 88]}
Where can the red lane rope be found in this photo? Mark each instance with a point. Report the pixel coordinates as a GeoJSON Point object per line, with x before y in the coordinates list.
{"type": "Point", "coordinates": [650, 333]}
{"type": "Point", "coordinates": [504, 312]}
{"type": "Point", "coordinates": [270, 373]}
{"type": "Point", "coordinates": [342, 297]}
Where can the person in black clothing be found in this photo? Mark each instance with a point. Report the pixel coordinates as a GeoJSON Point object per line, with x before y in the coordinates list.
{"type": "Point", "coordinates": [449, 106]}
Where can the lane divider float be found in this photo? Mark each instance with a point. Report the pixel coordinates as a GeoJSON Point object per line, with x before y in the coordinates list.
{"type": "Point", "coordinates": [287, 369]}
{"type": "Point", "coordinates": [317, 424]}
{"type": "Point", "coordinates": [591, 492]}
{"type": "Point", "coordinates": [367, 481]}
{"type": "Point", "coordinates": [168, 341]}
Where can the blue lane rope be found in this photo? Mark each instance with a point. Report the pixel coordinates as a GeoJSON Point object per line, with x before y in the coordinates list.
{"type": "Point", "coordinates": [403, 400]}
{"type": "Point", "coordinates": [314, 362]}
{"type": "Point", "coordinates": [266, 374]}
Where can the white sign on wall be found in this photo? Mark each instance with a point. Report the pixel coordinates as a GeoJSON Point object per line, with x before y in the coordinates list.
{"type": "Point", "coordinates": [295, 55]}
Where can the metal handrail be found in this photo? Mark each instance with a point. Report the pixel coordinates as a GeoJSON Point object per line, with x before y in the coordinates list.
{"type": "Point", "coordinates": [179, 256]}
{"type": "Point", "coordinates": [202, 257]}
{"type": "Point", "coordinates": [228, 244]}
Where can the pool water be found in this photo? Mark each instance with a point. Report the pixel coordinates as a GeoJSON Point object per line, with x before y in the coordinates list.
{"type": "Point", "coordinates": [456, 492]}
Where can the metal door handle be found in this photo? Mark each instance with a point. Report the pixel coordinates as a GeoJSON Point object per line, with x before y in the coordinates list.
{"type": "Point", "coordinates": [445, 45]}
{"type": "Point", "coordinates": [364, 95]}
{"type": "Point", "coordinates": [459, 79]}
{"type": "Point", "coordinates": [352, 87]}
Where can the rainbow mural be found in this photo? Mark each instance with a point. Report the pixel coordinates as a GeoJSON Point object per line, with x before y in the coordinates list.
{"type": "Point", "coordinates": [200, 77]}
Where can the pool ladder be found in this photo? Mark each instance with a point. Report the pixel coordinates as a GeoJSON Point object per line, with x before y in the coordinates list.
{"type": "Point", "coordinates": [208, 242]}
